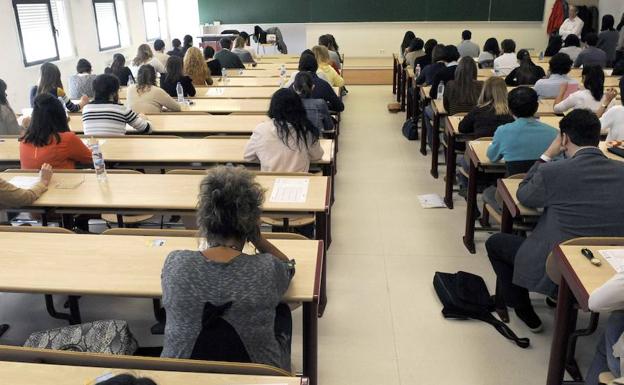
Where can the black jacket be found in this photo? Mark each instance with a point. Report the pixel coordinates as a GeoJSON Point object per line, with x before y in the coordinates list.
{"type": "Point", "coordinates": [170, 86]}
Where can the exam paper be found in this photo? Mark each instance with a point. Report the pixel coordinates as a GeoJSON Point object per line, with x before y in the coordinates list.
{"type": "Point", "coordinates": [290, 190]}
{"type": "Point", "coordinates": [24, 182]}
{"type": "Point", "coordinates": [215, 91]}
{"type": "Point", "coordinates": [431, 201]}
{"type": "Point", "coordinates": [615, 257]}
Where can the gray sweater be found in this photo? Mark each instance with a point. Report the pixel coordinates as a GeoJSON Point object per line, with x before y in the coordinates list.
{"type": "Point", "coordinates": [254, 283]}
{"type": "Point", "coordinates": [8, 121]}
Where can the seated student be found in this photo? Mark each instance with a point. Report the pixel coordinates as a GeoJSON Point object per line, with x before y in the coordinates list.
{"type": "Point", "coordinates": [187, 42]}
{"type": "Point", "coordinates": [591, 55]}
{"type": "Point", "coordinates": [438, 64]}
{"type": "Point", "coordinates": [196, 67]}
{"type": "Point", "coordinates": [554, 45]}
{"type": "Point", "coordinates": [322, 89]}
{"type": "Point", "coordinates": [214, 66]}
{"type": "Point", "coordinates": [81, 83]}
{"type": "Point", "coordinates": [556, 186]}
{"type": "Point", "coordinates": [322, 57]}
{"type": "Point", "coordinates": [50, 83]}
{"type": "Point", "coordinates": [145, 97]}
{"type": "Point", "coordinates": [491, 51]}
{"type": "Point", "coordinates": [159, 52]}
{"type": "Point", "coordinates": [506, 62]}
{"type": "Point", "coordinates": [316, 109]}
{"type": "Point", "coordinates": [425, 60]}
{"type": "Point", "coordinates": [119, 70]}
{"type": "Point", "coordinates": [145, 56]}
{"type": "Point", "coordinates": [527, 74]}
{"type": "Point", "coordinates": [127, 379]}
{"type": "Point", "coordinates": [463, 91]}
{"type": "Point", "coordinates": [414, 52]}
{"type": "Point", "coordinates": [612, 121]}
{"type": "Point", "coordinates": [11, 196]}
{"type": "Point", "coordinates": [49, 140]}
{"type": "Point", "coordinates": [175, 74]}
{"type": "Point", "coordinates": [241, 293]}
{"type": "Point", "coordinates": [247, 46]}
{"type": "Point", "coordinates": [228, 59]}
{"type": "Point", "coordinates": [572, 47]}
{"type": "Point", "coordinates": [8, 119]}
{"type": "Point", "coordinates": [240, 51]}
{"type": "Point", "coordinates": [608, 38]}
{"type": "Point", "coordinates": [467, 47]}
{"type": "Point", "coordinates": [176, 51]}
{"type": "Point", "coordinates": [407, 39]}
{"type": "Point", "coordinates": [491, 111]}
{"type": "Point", "coordinates": [287, 142]}
{"type": "Point", "coordinates": [589, 98]}
{"type": "Point", "coordinates": [105, 116]}
{"type": "Point", "coordinates": [319, 74]}
{"type": "Point", "coordinates": [451, 56]}
{"type": "Point", "coordinates": [559, 68]}
{"type": "Point", "coordinates": [329, 42]}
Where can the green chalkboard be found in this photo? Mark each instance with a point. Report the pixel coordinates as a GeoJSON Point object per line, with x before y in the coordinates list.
{"type": "Point", "coordinates": [311, 11]}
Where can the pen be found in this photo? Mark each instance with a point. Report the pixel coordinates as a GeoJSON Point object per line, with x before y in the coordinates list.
{"type": "Point", "coordinates": [590, 257]}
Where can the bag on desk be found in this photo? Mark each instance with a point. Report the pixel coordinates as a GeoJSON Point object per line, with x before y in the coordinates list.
{"type": "Point", "coordinates": [410, 129]}
{"type": "Point", "coordinates": [465, 296]}
{"type": "Point", "coordinates": [112, 337]}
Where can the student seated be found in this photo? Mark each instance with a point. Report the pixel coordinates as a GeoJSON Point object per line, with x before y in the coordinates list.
{"type": "Point", "coordinates": [555, 43]}
{"type": "Point", "coordinates": [414, 52]}
{"type": "Point", "coordinates": [287, 142]}
{"type": "Point", "coordinates": [329, 42]}
{"type": "Point", "coordinates": [572, 47]}
{"type": "Point", "coordinates": [467, 47]}
{"type": "Point", "coordinates": [407, 39]}
{"type": "Point", "coordinates": [527, 74]}
{"type": "Point", "coordinates": [319, 74]}
{"type": "Point", "coordinates": [145, 97]}
{"type": "Point", "coordinates": [322, 57]}
{"type": "Point", "coordinates": [50, 83]}
{"type": "Point", "coordinates": [227, 58]}
{"type": "Point", "coordinates": [608, 38]}
{"type": "Point", "coordinates": [82, 83]}
{"type": "Point", "coordinates": [49, 140]}
{"type": "Point", "coordinates": [425, 60]}
{"type": "Point", "coordinates": [159, 52]}
{"type": "Point", "coordinates": [196, 68]}
{"type": "Point", "coordinates": [145, 56]}
{"type": "Point", "coordinates": [491, 111]}
{"type": "Point", "coordinates": [580, 196]}
{"type": "Point", "coordinates": [591, 55]}
{"type": "Point", "coordinates": [490, 52]}
{"type": "Point", "coordinates": [105, 116]}
{"type": "Point", "coordinates": [127, 379]}
{"type": "Point", "coordinates": [588, 98]}
{"type": "Point", "coordinates": [12, 197]}
{"type": "Point", "coordinates": [247, 46]}
{"type": "Point", "coordinates": [612, 121]}
{"type": "Point", "coordinates": [463, 91]}
{"type": "Point", "coordinates": [316, 109]}
{"type": "Point", "coordinates": [506, 62]}
{"type": "Point", "coordinates": [438, 63]}
{"type": "Point", "coordinates": [559, 68]}
{"type": "Point", "coordinates": [8, 119]}
{"type": "Point", "coordinates": [240, 51]}
{"type": "Point", "coordinates": [187, 42]}
{"type": "Point", "coordinates": [175, 74]}
{"type": "Point", "coordinates": [322, 89]}
{"type": "Point", "coordinates": [446, 74]}
{"type": "Point", "coordinates": [119, 70]}
{"type": "Point", "coordinates": [176, 51]}
{"type": "Point", "coordinates": [214, 66]}
{"type": "Point", "coordinates": [240, 294]}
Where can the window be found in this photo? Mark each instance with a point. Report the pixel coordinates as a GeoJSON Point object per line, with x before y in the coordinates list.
{"type": "Point", "coordinates": [107, 25]}
{"type": "Point", "coordinates": [155, 25]}
{"type": "Point", "coordinates": [43, 29]}
{"type": "Point", "coordinates": [122, 19]}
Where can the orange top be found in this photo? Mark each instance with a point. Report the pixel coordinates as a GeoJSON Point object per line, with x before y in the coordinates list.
{"type": "Point", "coordinates": [63, 155]}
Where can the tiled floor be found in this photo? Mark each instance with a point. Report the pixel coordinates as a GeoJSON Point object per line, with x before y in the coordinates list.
{"type": "Point", "coordinates": [383, 324]}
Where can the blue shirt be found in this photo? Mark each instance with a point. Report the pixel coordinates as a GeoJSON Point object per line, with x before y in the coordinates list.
{"type": "Point", "coordinates": [524, 139]}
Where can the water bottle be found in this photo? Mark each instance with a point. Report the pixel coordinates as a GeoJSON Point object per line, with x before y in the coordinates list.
{"type": "Point", "coordinates": [224, 75]}
{"type": "Point", "coordinates": [130, 81]}
{"type": "Point", "coordinates": [541, 55]}
{"type": "Point", "coordinates": [180, 91]}
{"type": "Point", "coordinates": [283, 70]}
{"type": "Point", "coordinates": [441, 91]}
{"type": "Point", "coordinates": [98, 160]}
{"type": "Point", "coordinates": [241, 71]}
{"type": "Point", "coordinates": [417, 70]}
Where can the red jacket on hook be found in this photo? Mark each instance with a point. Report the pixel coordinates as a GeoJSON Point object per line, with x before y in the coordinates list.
{"type": "Point", "coordinates": [557, 16]}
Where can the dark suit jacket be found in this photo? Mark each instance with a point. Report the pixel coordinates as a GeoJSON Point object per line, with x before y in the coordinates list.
{"type": "Point", "coordinates": [445, 76]}
{"type": "Point", "coordinates": [228, 59]}
{"type": "Point", "coordinates": [581, 198]}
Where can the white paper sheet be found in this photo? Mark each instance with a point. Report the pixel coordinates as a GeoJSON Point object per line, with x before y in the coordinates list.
{"type": "Point", "coordinates": [215, 91]}
{"type": "Point", "coordinates": [431, 201]}
{"type": "Point", "coordinates": [24, 182]}
{"type": "Point", "coordinates": [615, 257]}
{"type": "Point", "coordinates": [290, 190]}
{"type": "Point", "coordinates": [86, 142]}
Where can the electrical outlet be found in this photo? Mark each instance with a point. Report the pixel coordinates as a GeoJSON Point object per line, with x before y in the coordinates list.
{"type": "Point", "coordinates": [382, 51]}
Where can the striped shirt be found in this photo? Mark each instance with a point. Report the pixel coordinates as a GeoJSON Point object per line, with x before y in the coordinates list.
{"type": "Point", "coordinates": [110, 119]}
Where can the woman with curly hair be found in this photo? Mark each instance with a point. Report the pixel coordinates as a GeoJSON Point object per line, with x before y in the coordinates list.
{"type": "Point", "coordinates": [196, 68]}
{"type": "Point", "coordinates": [223, 304]}
{"type": "Point", "coordinates": [145, 56]}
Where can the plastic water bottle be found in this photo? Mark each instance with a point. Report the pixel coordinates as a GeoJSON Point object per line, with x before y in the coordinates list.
{"type": "Point", "coordinates": [283, 70]}
{"type": "Point", "coordinates": [180, 91]}
{"type": "Point", "coordinates": [417, 70]}
{"type": "Point", "coordinates": [241, 71]}
{"type": "Point", "coordinates": [541, 55]}
{"type": "Point", "coordinates": [224, 75]}
{"type": "Point", "coordinates": [441, 91]}
{"type": "Point", "coordinates": [130, 81]}
{"type": "Point", "coordinates": [98, 160]}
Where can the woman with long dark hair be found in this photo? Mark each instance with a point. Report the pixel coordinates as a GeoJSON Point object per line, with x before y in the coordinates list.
{"type": "Point", "coordinates": [588, 98]}
{"type": "Point", "coordinates": [8, 121]}
{"type": "Point", "coordinates": [287, 142]}
{"type": "Point", "coordinates": [407, 39]}
{"type": "Point", "coordinates": [175, 75]}
{"type": "Point", "coordinates": [316, 109]}
{"type": "Point", "coordinates": [462, 93]}
{"type": "Point", "coordinates": [145, 56]}
{"type": "Point", "coordinates": [119, 70]}
{"type": "Point", "coordinates": [608, 38]}
{"type": "Point", "coordinates": [527, 74]}
{"type": "Point", "coordinates": [50, 83]}
{"type": "Point", "coordinates": [491, 50]}
{"type": "Point", "coordinates": [187, 43]}
{"type": "Point", "coordinates": [145, 97]}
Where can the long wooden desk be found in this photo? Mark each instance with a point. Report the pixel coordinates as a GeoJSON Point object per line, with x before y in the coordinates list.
{"type": "Point", "coordinates": [221, 92]}
{"type": "Point", "coordinates": [258, 72]}
{"type": "Point", "coordinates": [247, 82]}
{"type": "Point", "coordinates": [68, 274]}
{"type": "Point", "coordinates": [227, 106]}
{"type": "Point", "coordinates": [273, 65]}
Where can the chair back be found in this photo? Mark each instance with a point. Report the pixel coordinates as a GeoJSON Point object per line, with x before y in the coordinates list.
{"type": "Point", "coordinates": [152, 232]}
{"type": "Point", "coordinates": [35, 229]}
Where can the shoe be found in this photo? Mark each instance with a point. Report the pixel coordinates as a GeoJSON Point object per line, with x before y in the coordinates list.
{"type": "Point", "coordinates": [550, 302]}
{"type": "Point", "coordinates": [501, 310]}
{"type": "Point", "coordinates": [531, 319]}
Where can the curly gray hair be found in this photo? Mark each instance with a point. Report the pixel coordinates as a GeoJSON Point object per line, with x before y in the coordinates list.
{"type": "Point", "coordinates": [229, 206]}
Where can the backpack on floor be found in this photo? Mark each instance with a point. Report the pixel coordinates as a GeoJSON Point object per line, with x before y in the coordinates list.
{"type": "Point", "coordinates": [465, 296]}
{"type": "Point", "coordinates": [410, 129]}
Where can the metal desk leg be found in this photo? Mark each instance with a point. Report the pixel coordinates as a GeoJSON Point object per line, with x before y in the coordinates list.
{"type": "Point", "coordinates": [310, 342]}
{"type": "Point", "coordinates": [435, 146]}
{"type": "Point", "coordinates": [3, 329]}
{"type": "Point", "coordinates": [471, 201]}
{"type": "Point", "coordinates": [451, 160]}
{"type": "Point", "coordinates": [565, 322]}
{"type": "Point", "coordinates": [506, 220]}
{"type": "Point", "coordinates": [423, 130]}
{"type": "Point", "coordinates": [322, 235]}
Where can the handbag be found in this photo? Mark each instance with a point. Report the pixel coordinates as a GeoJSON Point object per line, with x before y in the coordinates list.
{"type": "Point", "coordinates": [110, 336]}
{"type": "Point", "coordinates": [410, 129]}
{"type": "Point", "coordinates": [465, 296]}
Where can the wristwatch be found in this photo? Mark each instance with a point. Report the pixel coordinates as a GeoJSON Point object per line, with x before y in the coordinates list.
{"type": "Point", "coordinates": [546, 158]}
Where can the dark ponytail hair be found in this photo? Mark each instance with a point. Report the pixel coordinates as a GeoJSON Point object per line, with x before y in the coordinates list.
{"type": "Point", "coordinates": [3, 96]}
{"type": "Point", "coordinates": [127, 379]}
{"type": "Point", "coordinates": [303, 85]}
{"type": "Point", "coordinates": [593, 80]}
{"type": "Point", "coordinates": [48, 120]}
{"type": "Point", "coordinates": [119, 62]}
{"type": "Point", "coordinates": [288, 114]}
{"type": "Point", "coordinates": [175, 68]}
{"type": "Point", "coordinates": [524, 74]}
{"type": "Point", "coordinates": [50, 79]}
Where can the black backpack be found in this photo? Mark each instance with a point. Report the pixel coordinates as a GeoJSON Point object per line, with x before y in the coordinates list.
{"type": "Point", "coordinates": [465, 296]}
{"type": "Point", "coordinates": [410, 129]}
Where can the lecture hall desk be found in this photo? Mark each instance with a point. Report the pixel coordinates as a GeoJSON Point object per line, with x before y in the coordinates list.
{"type": "Point", "coordinates": [221, 92]}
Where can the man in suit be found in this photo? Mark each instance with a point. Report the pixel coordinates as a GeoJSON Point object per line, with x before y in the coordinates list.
{"type": "Point", "coordinates": [227, 58]}
{"type": "Point", "coordinates": [580, 196]}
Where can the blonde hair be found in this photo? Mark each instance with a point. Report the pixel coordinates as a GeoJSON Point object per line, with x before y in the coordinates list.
{"type": "Point", "coordinates": [494, 93]}
{"type": "Point", "coordinates": [239, 42]}
{"type": "Point", "coordinates": [195, 67]}
{"type": "Point", "coordinates": [321, 53]}
{"type": "Point", "coordinates": [144, 54]}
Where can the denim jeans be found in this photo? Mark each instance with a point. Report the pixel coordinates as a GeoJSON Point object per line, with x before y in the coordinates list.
{"type": "Point", "coordinates": [604, 361]}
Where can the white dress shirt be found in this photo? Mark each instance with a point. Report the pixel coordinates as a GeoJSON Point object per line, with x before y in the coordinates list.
{"type": "Point", "coordinates": [612, 123]}
{"type": "Point", "coordinates": [571, 27]}
{"type": "Point", "coordinates": [505, 63]}
{"type": "Point", "coordinates": [582, 99]}
{"type": "Point", "coordinates": [608, 297]}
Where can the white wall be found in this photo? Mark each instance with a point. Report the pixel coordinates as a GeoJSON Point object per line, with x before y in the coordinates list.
{"type": "Point", "coordinates": [613, 7]}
